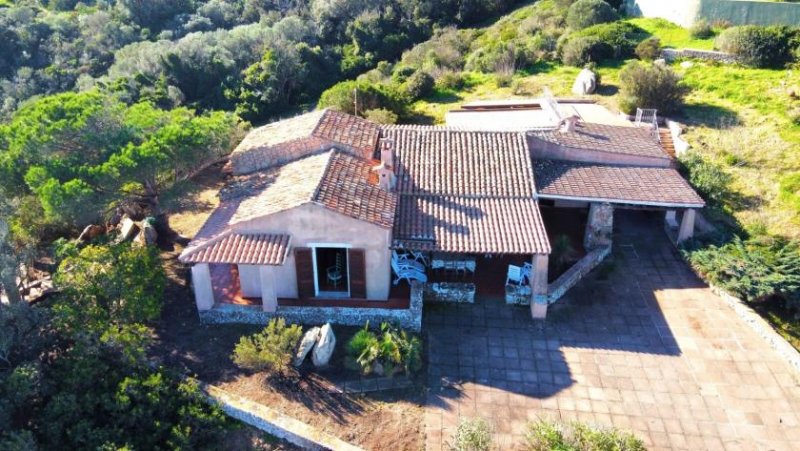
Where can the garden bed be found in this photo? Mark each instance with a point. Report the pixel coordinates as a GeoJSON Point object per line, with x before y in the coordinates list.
{"type": "Point", "coordinates": [368, 420]}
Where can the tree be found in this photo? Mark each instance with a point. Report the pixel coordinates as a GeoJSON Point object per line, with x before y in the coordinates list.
{"type": "Point", "coordinates": [109, 285]}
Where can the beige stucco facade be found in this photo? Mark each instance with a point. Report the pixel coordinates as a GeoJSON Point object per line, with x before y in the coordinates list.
{"type": "Point", "coordinates": [309, 225]}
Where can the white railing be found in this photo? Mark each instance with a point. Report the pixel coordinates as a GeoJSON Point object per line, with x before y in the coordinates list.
{"type": "Point", "coordinates": [648, 117]}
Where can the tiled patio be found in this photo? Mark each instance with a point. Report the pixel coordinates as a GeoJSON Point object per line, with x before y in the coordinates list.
{"type": "Point", "coordinates": [645, 347]}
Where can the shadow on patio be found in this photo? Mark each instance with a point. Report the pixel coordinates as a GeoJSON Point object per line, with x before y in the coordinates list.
{"type": "Point", "coordinates": [490, 351]}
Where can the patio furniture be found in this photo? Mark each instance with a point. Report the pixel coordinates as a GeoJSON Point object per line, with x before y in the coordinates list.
{"type": "Point", "coordinates": [453, 262]}
{"type": "Point", "coordinates": [334, 272]}
{"type": "Point", "coordinates": [404, 262]}
{"type": "Point", "coordinates": [408, 273]}
{"type": "Point", "coordinates": [527, 272]}
{"type": "Point", "coordinates": [514, 275]}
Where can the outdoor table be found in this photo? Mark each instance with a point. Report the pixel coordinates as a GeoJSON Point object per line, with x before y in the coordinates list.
{"type": "Point", "coordinates": [455, 262]}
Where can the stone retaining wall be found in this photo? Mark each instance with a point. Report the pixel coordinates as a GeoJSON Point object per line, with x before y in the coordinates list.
{"type": "Point", "coordinates": [706, 55]}
{"type": "Point", "coordinates": [574, 274]}
{"type": "Point", "coordinates": [275, 423]}
{"type": "Point", "coordinates": [410, 318]}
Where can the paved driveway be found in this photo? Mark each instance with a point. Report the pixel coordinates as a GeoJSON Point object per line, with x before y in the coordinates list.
{"type": "Point", "coordinates": [646, 347]}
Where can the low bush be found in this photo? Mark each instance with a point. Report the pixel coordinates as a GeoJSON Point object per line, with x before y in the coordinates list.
{"type": "Point", "coordinates": [418, 85]}
{"type": "Point", "coordinates": [650, 86]}
{"type": "Point", "coordinates": [544, 435]}
{"type": "Point", "coordinates": [599, 42]}
{"type": "Point", "coordinates": [758, 46]}
{"type": "Point", "coordinates": [708, 178]}
{"type": "Point", "coordinates": [472, 434]}
{"type": "Point", "coordinates": [701, 30]}
{"type": "Point", "coordinates": [585, 13]}
{"type": "Point", "coordinates": [342, 97]}
{"type": "Point", "coordinates": [381, 116]}
{"type": "Point", "coordinates": [580, 50]}
{"type": "Point", "coordinates": [270, 350]}
{"type": "Point", "coordinates": [386, 352]}
{"type": "Point", "coordinates": [649, 49]}
{"type": "Point", "coordinates": [450, 80]}
{"type": "Point", "coordinates": [752, 269]}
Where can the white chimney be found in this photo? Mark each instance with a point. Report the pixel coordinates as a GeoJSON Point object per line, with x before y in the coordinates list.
{"type": "Point", "coordinates": [386, 177]}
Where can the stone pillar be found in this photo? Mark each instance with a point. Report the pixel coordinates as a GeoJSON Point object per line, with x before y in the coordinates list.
{"type": "Point", "coordinates": [687, 225]}
{"type": "Point", "coordinates": [670, 219]}
{"type": "Point", "coordinates": [599, 226]}
{"type": "Point", "coordinates": [539, 286]}
{"type": "Point", "coordinates": [269, 300]}
{"type": "Point", "coordinates": [201, 281]}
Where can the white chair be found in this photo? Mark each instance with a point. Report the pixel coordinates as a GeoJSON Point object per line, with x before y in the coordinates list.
{"type": "Point", "coordinates": [405, 262]}
{"type": "Point", "coordinates": [514, 275]}
{"type": "Point", "coordinates": [335, 272]}
{"type": "Point", "coordinates": [407, 273]}
{"type": "Point", "coordinates": [527, 271]}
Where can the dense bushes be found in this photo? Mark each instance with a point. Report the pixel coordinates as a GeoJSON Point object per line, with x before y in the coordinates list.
{"type": "Point", "coordinates": [701, 30]}
{"type": "Point", "coordinates": [599, 42]}
{"type": "Point", "coordinates": [585, 13]}
{"type": "Point", "coordinates": [649, 49]}
{"type": "Point", "coordinates": [546, 435]}
{"type": "Point", "coordinates": [386, 352]}
{"type": "Point", "coordinates": [707, 177]}
{"type": "Point", "coordinates": [759, 46]}
{"type": "Point", "coordinates": [650, 86]}
{"type": "Point", "coordinates": [344, 96]}
{"type": "Point", "coordinates": [752, 269]}
{"type": "Point", "coordinates": [270, 350]}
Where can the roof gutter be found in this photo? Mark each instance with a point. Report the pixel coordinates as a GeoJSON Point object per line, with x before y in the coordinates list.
{"type": "Point", "coordinates": [620, 201]}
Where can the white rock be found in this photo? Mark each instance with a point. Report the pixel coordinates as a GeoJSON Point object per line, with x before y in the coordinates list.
{"type": "Point", "coordinates": [687, 64]}
{"type": "Point", "coordinates": [127, 228]}
{"type": "Point", "coordinates": [305, 346]}
{"type": "Point", "coordinates": [323, 350]}
{"type": "Point", "coordinates": [585, 83]}
{"type": "Point", "coordinates": [149, 234]}
{"type": "Point", "coordinates": [660, 62]}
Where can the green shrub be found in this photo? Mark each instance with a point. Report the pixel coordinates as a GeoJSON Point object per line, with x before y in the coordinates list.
{"type": "Point", "coordinates": [701, 30]}
{"type": "Point", "coordinates": [342, 97]}
{"type": "Point", "coordinates": [753, 269]}
{"type": "Point", "coordinates": [450, 80]}
{"type": "Point", "coordinates": [789, 189]}
{"type": "Point", "coordinates": [472, 435]}
{"type": "Point", "coordinates": [580, 50]}
{"type": "Point", "coordinates": [599, 42]}
{"type": "Point", "coordinates": [418, 85]}
{"type": "Point", "coordinates": [650, 86]}
{"type": "Point", "coordinates": [585, 13]}
{"type": "Point", "coordinates": [401, 73]}
{"type": "Point", "coordinates": [708, 178]}
{"type": "Point", "coordinates": [394, 349]}
{"type": "Point", "coordinates": [270, 350]}
{"type": "Point", "coordinates": [543, 435]}
{"type": "Point", "coordinates": [758, 46]}
{"type": "Point", "coordinates": [502, 80]}
{"type": "Point", "coordinates": [381, 116]}
{"type": "Point", "coordinates": [649, 49]}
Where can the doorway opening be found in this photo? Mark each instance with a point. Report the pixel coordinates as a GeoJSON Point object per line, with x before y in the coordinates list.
{"type": "Point", "coordinates": [332, 275]}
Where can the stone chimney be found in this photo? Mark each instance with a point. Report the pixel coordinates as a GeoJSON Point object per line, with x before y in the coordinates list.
{"type": "Point", "coordinates": [386, 177]}
{"type": "Point", "coordinates": [568, 123]}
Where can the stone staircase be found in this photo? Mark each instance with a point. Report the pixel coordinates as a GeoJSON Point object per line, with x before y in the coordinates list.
{"type": "Point", "coordinates": [666, 141]}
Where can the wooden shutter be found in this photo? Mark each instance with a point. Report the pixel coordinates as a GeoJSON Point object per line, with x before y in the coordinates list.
{"type": "Point", "coordinates": [305, 272]}
{"type": "Point", "coordinates": [358, 274]}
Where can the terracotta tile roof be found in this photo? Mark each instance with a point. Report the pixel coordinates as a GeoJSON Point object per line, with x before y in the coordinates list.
{"type": "Point", "coordinates": [450, 162]}
{"type": "Point", "coordinates": [334, 126]}
{"type": "Point", "coordinates": [470, 225]}
{"type": "Point", "coordinates": [607, 138]}
{"type": "Point", "coordinates": [334, 179]}
{"type": "Point", "coordinates": [243, 249]}
{"type": "Point", "coordinates": [625, 184]}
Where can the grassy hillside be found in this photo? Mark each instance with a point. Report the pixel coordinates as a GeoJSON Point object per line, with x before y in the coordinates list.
{"type": "Point", "coordinates": [738, 118]}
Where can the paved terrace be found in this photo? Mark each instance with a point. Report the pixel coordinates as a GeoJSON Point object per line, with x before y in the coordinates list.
{"type": "Point", "coordinates": [650, 349]}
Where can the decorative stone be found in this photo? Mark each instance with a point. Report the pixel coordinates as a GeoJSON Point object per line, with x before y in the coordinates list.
{"type": "Point", "coordinates": [518, 294]}
{"type": "Point", "coordinates": [454, 292]}
{"type": "Point", "coordinates": [585, 83]}
{"type": "Point", "coordinates": [148, 236]}
{"type": "Point", "coordinates": [687, 64]}
{"type": "Point", "coordinates": [305, 346]}
{"type": "Point", "coordinates": [660, 62]}
{"type": "Point", "coordinates": [127, 228]}
{"type": "Point", "coordinates": [91, 232]}
{"type": "Point", "coordinates": [323, 350]}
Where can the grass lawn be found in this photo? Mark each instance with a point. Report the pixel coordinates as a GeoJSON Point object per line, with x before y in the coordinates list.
{"type": "Point", "coordinates": [671, 35]}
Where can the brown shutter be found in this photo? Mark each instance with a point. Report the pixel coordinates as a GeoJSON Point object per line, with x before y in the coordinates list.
{"type": "Point", "coordinates": [305, 272]}
{"type": "Point", "coordinates": [358, 274]}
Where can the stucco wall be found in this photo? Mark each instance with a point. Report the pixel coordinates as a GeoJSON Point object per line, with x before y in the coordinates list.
{"type": "Point", "coordinates": [737, 12]}
{"type": "Point", "coordinates": [311, 223]}
{"type": "Point", "coordinates": [547, 150]}
{"type": "Point", "coordinates": [250, 281]}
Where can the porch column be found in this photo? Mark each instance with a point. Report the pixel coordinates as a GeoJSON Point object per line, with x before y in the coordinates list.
{"type": "Point", "coordinates": [599, 226]}
{"type": "Point", "coordinates": [687, 225]}
{"type": "Point", "coordinates": [269, 300]}
{"type": "Point", "coordinates": [539, 287]}
{"type": "Point", "coordinates": [670, 219]}
{"type": "Point", "coordinates": [201, 282]}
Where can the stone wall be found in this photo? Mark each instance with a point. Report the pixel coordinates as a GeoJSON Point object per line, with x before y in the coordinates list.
{"type": "Point", "coordinates": [706, 55]}
{"type": "Point", "coordinates": [252, 160]}
{"type": "Point", "coordinates": [736, 12]}
{"type": "Point", "coordinates": [584, 266]}
{"type": "Point", "coordinates": [410, 318]}
{"type": "Point", "coordinates": [599, 226]}
{"type": "Point", "coordinates": [449, 292]}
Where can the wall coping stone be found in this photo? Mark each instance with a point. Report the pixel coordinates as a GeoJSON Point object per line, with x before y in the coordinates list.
{"type": "Point", "coordinates": [273, 422]}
